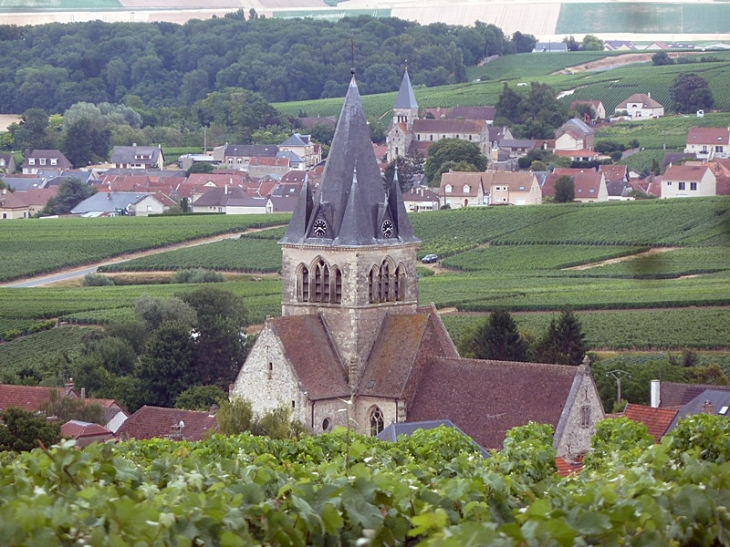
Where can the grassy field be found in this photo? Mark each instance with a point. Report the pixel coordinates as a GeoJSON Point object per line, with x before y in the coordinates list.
{"type": "Point", "coordinates": [502, 257]}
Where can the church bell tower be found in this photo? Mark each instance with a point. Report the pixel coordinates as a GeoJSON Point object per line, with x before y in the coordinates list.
{"type": "Point", "coordinates": [349, 253]}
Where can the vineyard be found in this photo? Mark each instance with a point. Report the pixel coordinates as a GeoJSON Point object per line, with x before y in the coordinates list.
{"type": "Point", "coordinates": [44, 246]}
{"type": "Point", "coordinates": [430, 489]}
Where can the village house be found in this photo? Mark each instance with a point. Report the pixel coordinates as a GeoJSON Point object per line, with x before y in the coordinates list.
{"type": "Point", "coordinates": [353, 347]}
{"type": "Point", "coordinates": [708, 143]}
{"type": "Point", "coordinates": [640, 106]}
{"type": "Point", "coordinates": [597, 108]}
{"type": "Point", "coordinates": [421, 198]}
{"type": "Point", "coordinates": [512, 188]}
{"type": "Point", "coordinates": [48, 160]}
{"type": "Point", "coordinates": [13, 206]}
{"type": "Point", "coordinates": [137, 157]}
{"type": "Point", "coordinates": [139, 204]}
{"type": "Point", "coordinates": [589, 184]}
{"type": "Point", "coordinates": [409, 134]}
{"type": "Point", "coordinates": [575, 135]}
{"type": "Point", "coordinates": [238, 156]}
{"type": "Point", "coordinates": [230, 201]}
{"type": "Point", "coordinates": [7, 163]}
{"type": "Point", "coordinates": [150, 422]}
{"type": "Point", "coordinates": [617, 182]}
{"type": "Point", "coordinates": [462, 189]}
{"type": "Point", "coordinates": [681, 181]}
{"type": "Point", "coordinates": [304, 148]}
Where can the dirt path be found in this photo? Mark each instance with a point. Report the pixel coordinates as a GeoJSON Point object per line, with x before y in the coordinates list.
{"type": "Point", "coordinates": [138, 254]}
{"type": "Point", "coordinates": [619, 60]}
{"type": "Point", "coordinates": [650, 252]}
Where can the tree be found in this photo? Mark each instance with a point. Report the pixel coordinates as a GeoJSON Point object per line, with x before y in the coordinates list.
{"type": "Point", "coordinates": [564, 341]}
{"type": "Point", "coordinates": [167, 366]}
{"type": "Point", "coordinates": [523, 43]}
{"type": "Point", "coordinates": [661, 58]}
{"type": "Point", "coordinates": [220, 345]}
{"type": "Point", "coordinates": [591, 43]}
{"type": "Point", "coordinates": [22, 431]}
{"type": "Point", "coordinates": [65, 408]}
{"type": "Point", "coordinates": [496, 338]}
{"type": "Point", "coordinates": [234, 417]}
{"type": "Point", "coordinates": [153, 312]}
{"type": "Point", "coordinates": [455, 150]}
{"type": "Point", "coordinates": [408, 167]}
{"type": "Point", "coordinates": [71, 192]}
{"type": "Point", "coordinates": [691, 92]}
{"type": "Point", "coordinates": [200, 398]}
{"type": "Point", "coordinates": [573, 44]}
{"type": "Point", "coordinates": [32, 132]}
{"type": "Point", "coordinates": [564, 189]}
{"type": "Point", "coordinates": [84, 143]}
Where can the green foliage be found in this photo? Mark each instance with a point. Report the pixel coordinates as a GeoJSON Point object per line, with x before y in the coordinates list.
{"type": "Point", "coordinates": [591, 42]}
{"type": "Point", "coordinates": [71, 192]}
{"type": "Point", "coordinates": [661, 58]}
{"type": "Point", "coordinates": [691, 92]}
{"type": "Point", "coordinates": [703, 436]}
{"type": "Point", "coordinates": [564, 341]}
{"type": "Point", "coordinates": [617, 440]}
{"type": "Point", "coordinates": [153, 312]}
{"type": "Point", "coordinates": [536, 114]}
{"type": "Point", "coordinates": [65, 408]}
{"type": "Point", "coordinates": [97, 280]}
{"type": "Point", "coordinates": [528, 453]}
{"type": "Point", "coordinates": [444, 151]}
{"type": "Point", "coordinates": [22, 431]}
{"type": "Point", "coordinates": [496, 338]}
{"type": "Point", "coordinates": [234, 416]}
{"type": "Point", "coordinates": [200, 398]}
{"type": "Point", "coordinates": [197, 275]}
{"type": "Point", "coordinates": [564, 190]}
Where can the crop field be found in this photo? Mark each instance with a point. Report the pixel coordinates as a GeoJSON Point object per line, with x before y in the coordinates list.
{"type": "Point", "coordinates": [40, 352]}
{"type": "Point", "coordinates": [520, 258]}
{"type": "Point", "coordinates": [36, 247]}
{"type": "Point", "coordinates": [642, 18]}
{"type": "Point", "coordinates": [702, 329]}
{"type": "Point", "coordinates": [245, 254]}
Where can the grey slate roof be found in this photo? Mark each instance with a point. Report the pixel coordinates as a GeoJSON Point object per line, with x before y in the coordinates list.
{"type": "Point", "coordinates": [351, 199]}
{"type": "Point", "coordinates": [235, 197]}
{"type": "Point", "coordinates": [252, 150]}
{"type": "Point", "coordinates": [719, 398]}
{"type": "Point", "coordinates": [297, 139]}
{"type": "Point", "coordinates": [405, 98]}
{"type": "Point", "coordinates": [24, 183]}
{"type": "Point", "coordinates": [130, 154]}
{"type": "Point", "coordinates": [107, 202]}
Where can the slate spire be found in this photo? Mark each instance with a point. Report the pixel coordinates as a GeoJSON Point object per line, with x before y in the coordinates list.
{"type": "Point", "coordinates": [351, 206]}
{"type": "Point", "coordinates": [405, 99]}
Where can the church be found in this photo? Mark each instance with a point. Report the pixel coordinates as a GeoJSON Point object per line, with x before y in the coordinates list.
{"type": "Point", "coordinates": [353, 348]}
{"type": "Point", "coordinates": [409, 134]}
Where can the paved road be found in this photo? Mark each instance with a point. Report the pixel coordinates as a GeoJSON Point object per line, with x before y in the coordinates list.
{"type": "Point", "coordinates": [53, 278]}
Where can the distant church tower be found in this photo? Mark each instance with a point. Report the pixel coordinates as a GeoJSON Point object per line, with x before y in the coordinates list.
{"type": "Point", "coordinates": [349, 253]}
{"type": "Point", "coordinates": [405, 112]}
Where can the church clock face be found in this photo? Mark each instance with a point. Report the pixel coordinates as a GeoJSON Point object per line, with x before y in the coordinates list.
{"type": "Point", "coordinates": [387, 228]}
{"type": "Point", "coordinates": [320, 227]}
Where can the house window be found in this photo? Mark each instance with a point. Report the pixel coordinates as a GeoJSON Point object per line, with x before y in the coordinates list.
{"type": "Point", "coordinates": [31, 161]}
{"type": "Point", "coordinates": [447, 188]}
{"type": "Point", "coordinates": [418, 137]}
{"type": "Point", "coordinates": [718, 149]}
{"type": "Point", "coordinates": [5, 215]}
{"type": "Point", "coordinates": [385, 282]}
{"type": "Point", "coordinates": [680, 186]}
{"type": "Point", "coordinates": [54, 161]}
{"type": "Point", "coordinates": [303, 279]}
{"type": "Point", "coordinates": [669, 183]}
{"type": "Point", "coordinates": [466, 189]}
{"type": "Point", "coordinates": [326, 424]}
{"type": "Point", "coordinates": [373, 280]}
{"type": "Point", "coordinates": [338, 286]}
{"type": "Point", "coordinates": [43, 161]}
{"type": "Point", "coordinates": [400, 283]}
{"type": "Point", "coordinates": [693, 186]}
{"type": "Point", "coordinates": [585, 416]}
{"type": "Point", "coordinates": [430, 137]}
{"type": "Point", "coordinates": [396, 150]}
{"type": "Point", "coordinates": [376, 421]}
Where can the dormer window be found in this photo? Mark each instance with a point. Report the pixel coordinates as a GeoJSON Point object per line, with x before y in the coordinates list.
{"type": "Point", "coordinates": [54, 161]}
{"type": "Point", "coordinates": [447, 188]}
{"type": "Point", "coordinates": [31, 161]}
{"type": "Point", "coordinates": [467, 188]}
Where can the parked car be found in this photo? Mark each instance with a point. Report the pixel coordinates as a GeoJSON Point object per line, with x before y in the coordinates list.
{"type": "Point", "coordinates": [430, 259]}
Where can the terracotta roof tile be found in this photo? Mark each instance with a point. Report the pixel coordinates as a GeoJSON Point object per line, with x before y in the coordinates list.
{"type": "Point", "coordinates": [686, 172]}
{"type": "Point", "coordinates": [85, 432]}
{"type": "Point", "coordinates": [566, 468]}
{"type": "Point", "coordinates": [708, 135]}
{"type": "Point", "coordinates": [309, 349]}
{"type": "Point", "coordinates": [656, 420]}
{"type": "Point", "coordinates": [30, 398]}
{"type": "Point", "coordinates": [488, 398]}
{"type": "Point", "coordinates": [448, 126]}
{"type": "Point", "coordinates": [151, 422]}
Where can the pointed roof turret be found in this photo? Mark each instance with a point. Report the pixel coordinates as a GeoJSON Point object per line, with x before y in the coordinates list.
{"type": "Point", "coordinates": [347, 208]}
{"type": "Point", "coordinates": [406, 98]}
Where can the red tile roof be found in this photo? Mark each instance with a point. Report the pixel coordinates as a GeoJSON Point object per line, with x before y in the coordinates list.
{"type": "Point", "coordinates": [686, 172]}
{"type": "Point", "coordinates": [587, 182]}
{"type": "Point", "coordinates": [488, 398]}
{"type": "Point", "coordinates": [30, 398]}
{"type": "Point", "coordinates": [614, 173]}
{"type": "Point", "coordinates": [710, 136]}
{"type": "Point", "coordinates": [448, 126]}
{"type": "Point", "coordinates": [85, 432]}
{"type": "Point", "coordinates": [656, 420]}
{"type": "Point", "coordinates": [566, 468]}
{"type": "Point", "coordinates": [151, 422]}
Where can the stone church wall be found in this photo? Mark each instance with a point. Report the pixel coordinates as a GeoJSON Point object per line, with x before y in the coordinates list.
{"type": "Point", "coordinates": [586, 409]}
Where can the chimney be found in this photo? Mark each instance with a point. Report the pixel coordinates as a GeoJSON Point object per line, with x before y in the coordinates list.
{"type": "Point", "coordinates": [134, 144]}
{"type": "Point", "coordinates": [213, 409]}
{"type": "Point", "coordinates": [655, 394]}
{"type": "Point", "coordinates": [707, 407]}
{"type": "Point", "coordinates": [648, 94]}
{"type": "Point", "coordinates": [68, 386]}
{"type": "Point", "coordinates": [83, 393]}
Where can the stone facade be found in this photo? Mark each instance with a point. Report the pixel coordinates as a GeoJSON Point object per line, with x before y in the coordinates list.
{"type": "Point", "coordinates": [582, 410]}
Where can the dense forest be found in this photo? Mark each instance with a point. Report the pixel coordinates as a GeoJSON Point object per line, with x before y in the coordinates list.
{"type": "Point", "coordinates": [56, 65]}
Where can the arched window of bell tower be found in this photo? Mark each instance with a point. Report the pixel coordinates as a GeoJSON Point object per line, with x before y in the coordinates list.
{"type": "Point", "coordinates": [374, 285]}
{"type": "Point", "coordinates": [400, 283]}
{"type": "Point", "coordinates": [337, 275]}
{"type": "Point", "coordinates": [303, 283]}
{"type": "Point", "coordinates": [376, 420]}
{"type": "Point", "coordinates": [387, 273]}
{"type": "Point", "coordinates": [321, 272]}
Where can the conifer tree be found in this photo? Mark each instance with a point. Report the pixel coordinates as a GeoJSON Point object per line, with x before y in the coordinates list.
{"type": "Point", "coordinates": [496, 338]}
{"type": "Point", "coordinates": [564, 341]}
